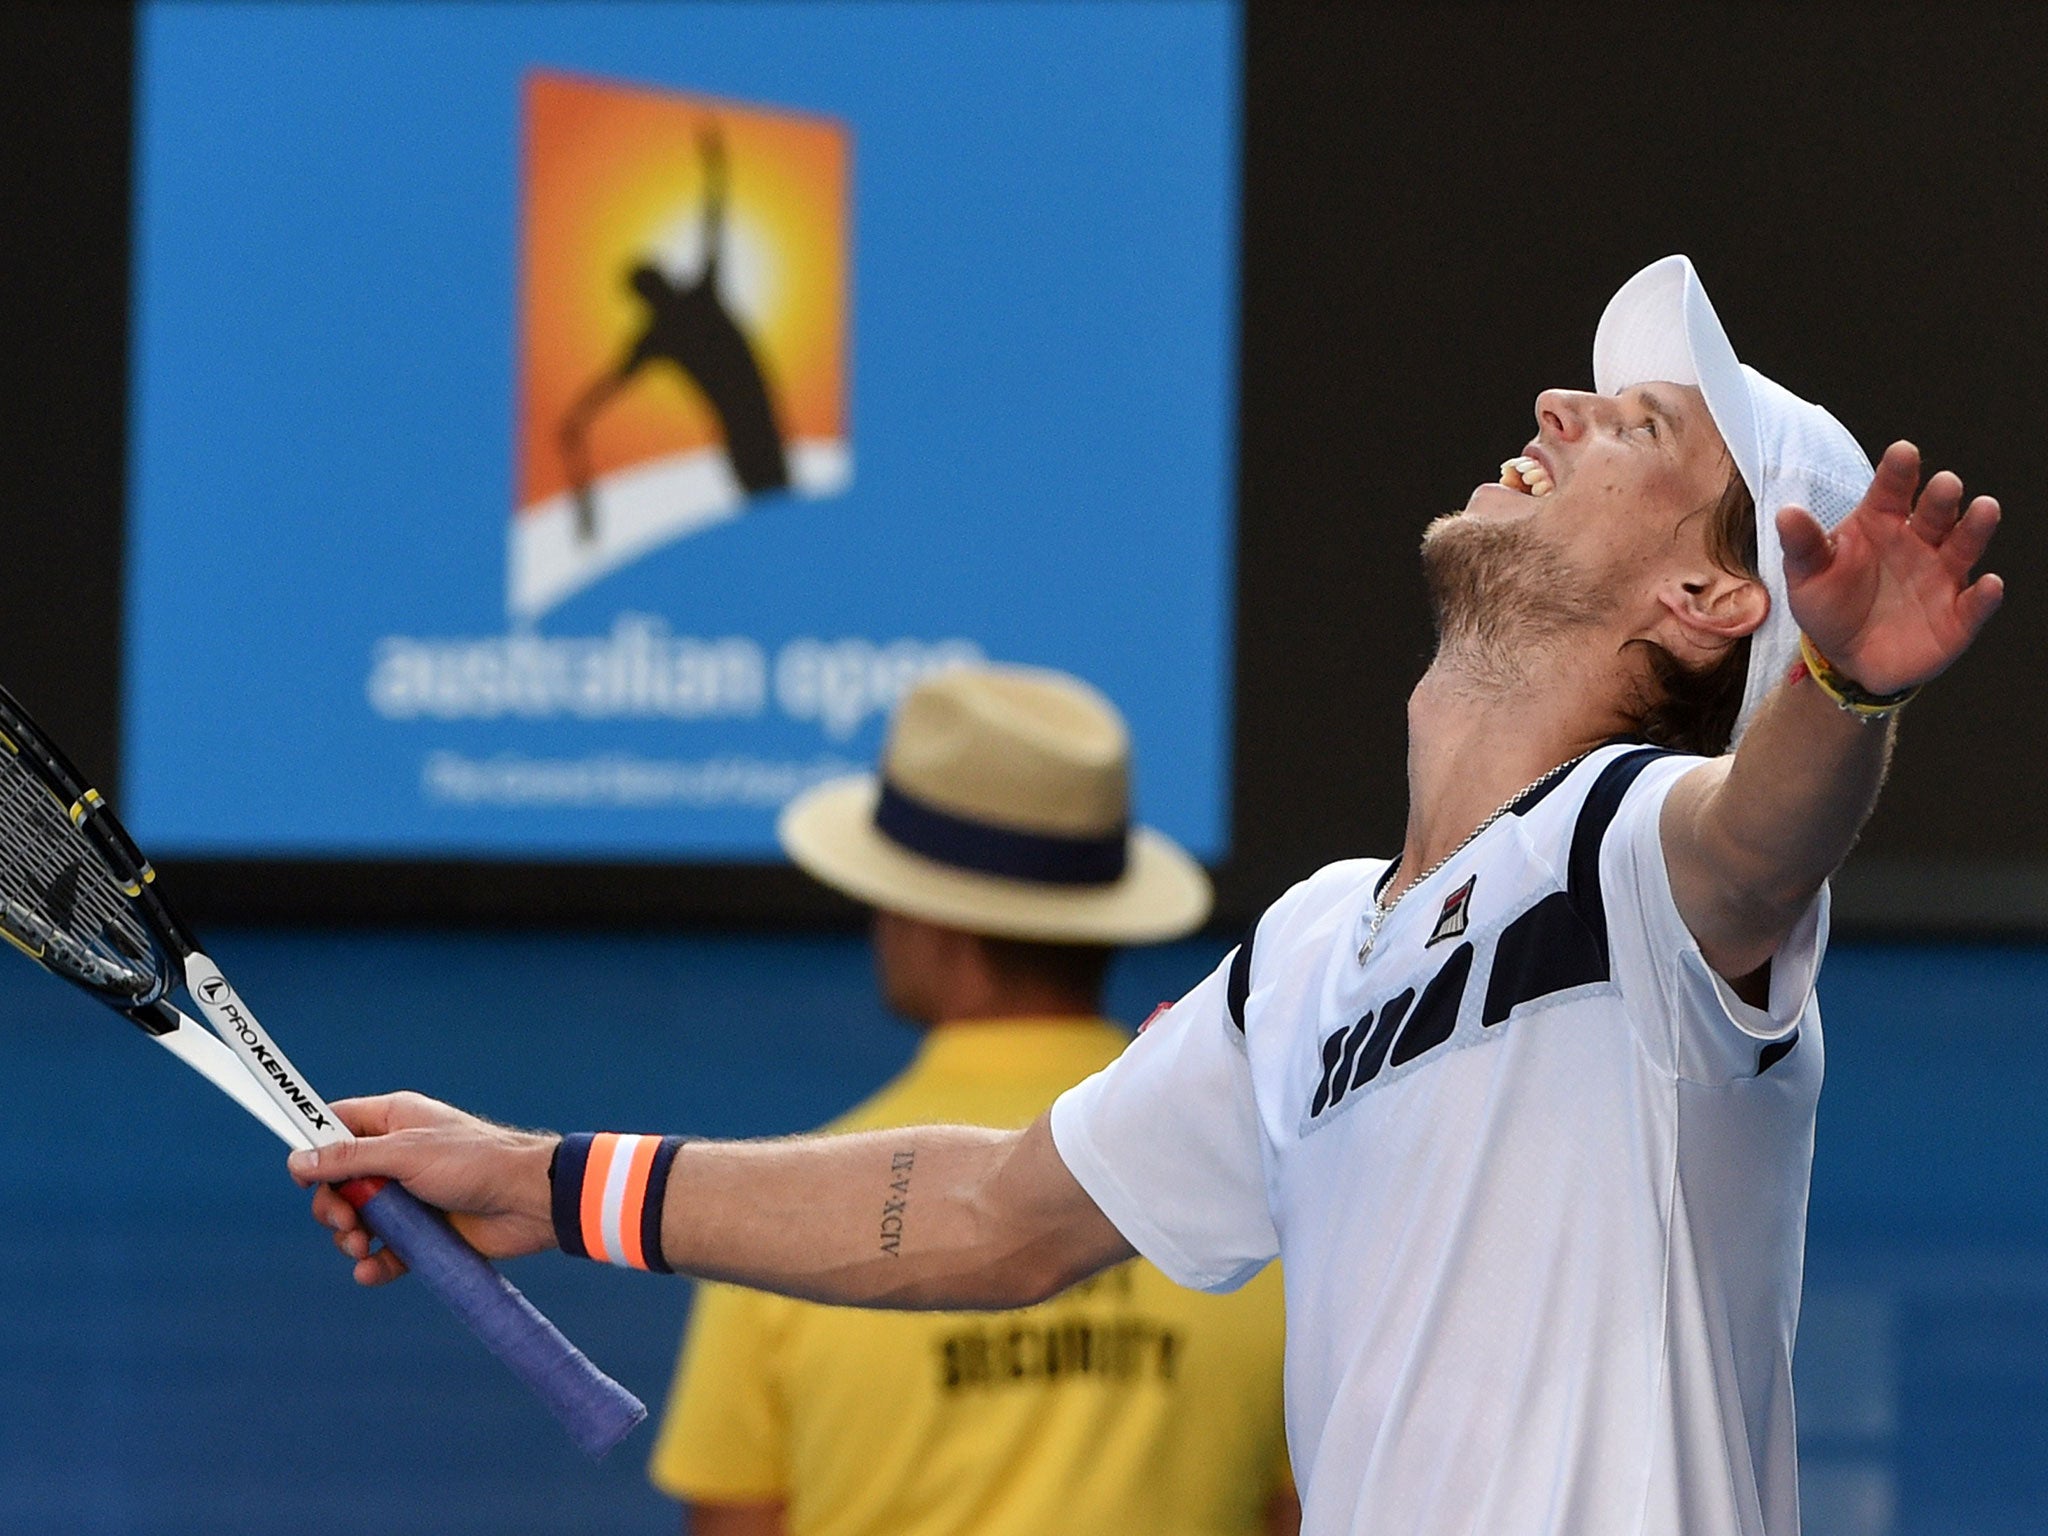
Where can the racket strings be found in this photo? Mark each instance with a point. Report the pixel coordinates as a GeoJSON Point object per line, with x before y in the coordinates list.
{"type": "Point", "coordinates": [61, 900]}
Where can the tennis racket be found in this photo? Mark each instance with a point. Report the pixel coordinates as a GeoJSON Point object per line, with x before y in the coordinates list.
{"type": "Point", "coordinates": [79, 899]}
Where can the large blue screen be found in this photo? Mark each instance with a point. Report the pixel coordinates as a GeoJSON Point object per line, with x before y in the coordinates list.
{"type": "Point", "coordinates": [564, 431]}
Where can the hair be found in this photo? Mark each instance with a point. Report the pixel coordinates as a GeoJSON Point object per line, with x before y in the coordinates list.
{"type": "Point", "coordinates": [1695, 708]}
{"type": "Point", "coordinates": [1074, 970]}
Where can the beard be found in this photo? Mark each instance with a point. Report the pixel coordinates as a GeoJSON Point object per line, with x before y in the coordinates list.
{"type": "Point", "coordinates": [1503, 597]}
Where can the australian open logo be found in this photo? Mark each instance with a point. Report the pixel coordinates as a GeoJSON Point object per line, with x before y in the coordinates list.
{"type": "Point", "coordinates": [682, 313]}
{"type": "Point", "coordinates": [681, 363]}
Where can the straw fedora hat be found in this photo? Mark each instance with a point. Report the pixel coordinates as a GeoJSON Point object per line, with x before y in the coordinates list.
{"type": "Point", "coordinates": [1002, 808]}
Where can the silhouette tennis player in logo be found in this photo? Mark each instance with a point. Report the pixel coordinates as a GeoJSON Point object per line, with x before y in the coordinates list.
{"type": "Point", "coordinates": [690, 326]}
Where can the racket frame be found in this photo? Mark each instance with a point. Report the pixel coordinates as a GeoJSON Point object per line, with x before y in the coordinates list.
{"type": "Point", "coordinates": [596, 1410]}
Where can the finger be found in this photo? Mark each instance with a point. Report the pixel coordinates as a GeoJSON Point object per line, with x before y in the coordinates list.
{"type": "Point", "coordinates": [1808, 550]}
{"type": "Point", "coordinates": [1979, 601]}
{"type": "Point", "coordinates": [1971, 535]}
{"type": "Point", "coordinates": [367, 1158]}
{"type": "Point", "coordinates": [355, 1245]}
{"type": "Point", "coordinates": [1938, 508]}
{"type": "Point", "coordinates": [368, 1116]}
{"type": "Point", "coordinates": [299, 1169]}
{"type": "Point", "coordinates": [332, 1211]}
{"type": "Point", "coordinates": [1891, 488]}
{"type": "Point", "coordinates": [380, 1268]}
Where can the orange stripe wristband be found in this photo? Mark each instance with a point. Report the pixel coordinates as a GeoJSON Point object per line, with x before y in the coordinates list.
{"type": "Point", "coordinates": [607, 1193]}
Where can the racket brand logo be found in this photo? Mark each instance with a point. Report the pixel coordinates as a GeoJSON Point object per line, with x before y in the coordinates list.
{"type": "Point", "coordinates": [222, 1003]}
{"type": "Point", "coordinates": [682, 314]}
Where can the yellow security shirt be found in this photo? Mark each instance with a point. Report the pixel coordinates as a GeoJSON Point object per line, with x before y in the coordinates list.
{"type": "Point", "coordinates": [1125, 1407]}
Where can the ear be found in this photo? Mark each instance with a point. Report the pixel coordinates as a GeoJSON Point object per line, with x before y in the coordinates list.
{"type": "Point", "coordinates": [1705, 610]}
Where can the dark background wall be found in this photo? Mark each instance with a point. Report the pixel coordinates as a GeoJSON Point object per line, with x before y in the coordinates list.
{"type": "Point", "coordinates": [1438, 201]}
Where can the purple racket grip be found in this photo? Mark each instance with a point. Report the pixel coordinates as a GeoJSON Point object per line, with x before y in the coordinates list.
{"type": "Point", "coordinates": [596, 1410]}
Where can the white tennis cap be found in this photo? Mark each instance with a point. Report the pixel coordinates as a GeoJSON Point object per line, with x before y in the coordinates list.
{"type": "Point", "coordinates": [1662, 327]}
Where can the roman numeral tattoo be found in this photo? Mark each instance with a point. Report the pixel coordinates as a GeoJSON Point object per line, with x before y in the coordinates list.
{"type": "Point", "coordinates": [896, 1200]}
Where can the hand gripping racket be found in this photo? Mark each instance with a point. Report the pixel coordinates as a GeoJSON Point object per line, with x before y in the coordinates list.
{"type": "Point", "coordinates": [79, 899]}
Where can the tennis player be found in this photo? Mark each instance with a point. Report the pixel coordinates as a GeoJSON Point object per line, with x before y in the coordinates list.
{"type": "Point", "coordinates": [1527, 1110]}
{"type": "Point", "coordinates": [1128, 1404]}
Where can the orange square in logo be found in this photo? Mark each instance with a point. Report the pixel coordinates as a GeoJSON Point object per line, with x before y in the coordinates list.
{"type": "Point", "coordinates": [682, 323]}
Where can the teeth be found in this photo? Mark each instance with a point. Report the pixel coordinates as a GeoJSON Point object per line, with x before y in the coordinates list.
{"type": "Point", "coordinates": [1527, 475]}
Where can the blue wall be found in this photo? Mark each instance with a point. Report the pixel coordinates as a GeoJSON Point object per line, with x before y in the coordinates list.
{"type": "Point", "coordinates": [1042, 276]}
{"type": "Point", "coordinates": [181, 1352]}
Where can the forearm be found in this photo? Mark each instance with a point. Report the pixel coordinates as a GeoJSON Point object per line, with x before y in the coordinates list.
{"type": "Point", "coordinates": [1751, 838]}
{"type": "Point", "coordinates": [934, 1217]}
{"type": "Point", "coordinates": [930, 1217]}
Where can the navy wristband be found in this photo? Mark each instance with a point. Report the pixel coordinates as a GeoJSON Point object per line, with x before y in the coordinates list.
{"type": "Point", "coordinates": [607, 1196]}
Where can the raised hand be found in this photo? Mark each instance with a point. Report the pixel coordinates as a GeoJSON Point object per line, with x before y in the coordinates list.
{"type": "Point", "coordinates": [1888, 597]}
{"type": "Point", "coordinates": [490, 1179]}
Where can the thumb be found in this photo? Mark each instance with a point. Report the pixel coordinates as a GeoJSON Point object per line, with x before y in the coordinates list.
{"type": "Point", "coordinates": [337, 1161]}
{"type": "Point", "coordinates": [1808, 550]}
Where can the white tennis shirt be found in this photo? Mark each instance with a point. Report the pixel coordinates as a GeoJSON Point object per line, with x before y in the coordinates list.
{"type": "Point", "coordinates": [1537, 1177]}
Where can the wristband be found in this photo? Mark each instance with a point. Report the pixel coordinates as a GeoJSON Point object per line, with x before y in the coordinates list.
{"type": "Point", "coordinates": [1847, 693]}
{"type": "Point", "coordinates": [607, 1196]}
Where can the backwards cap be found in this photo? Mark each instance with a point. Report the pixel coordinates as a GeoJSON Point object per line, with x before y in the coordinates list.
{"type": "Point", "coordinates": [1661, 326]}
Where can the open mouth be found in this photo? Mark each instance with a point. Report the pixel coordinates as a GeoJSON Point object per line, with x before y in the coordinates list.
{"type": "Point", "coordinates": [1526, 475]}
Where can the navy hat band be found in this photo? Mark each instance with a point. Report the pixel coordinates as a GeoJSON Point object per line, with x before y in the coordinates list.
{"type": "Point", "coordinates": [1049, 858]}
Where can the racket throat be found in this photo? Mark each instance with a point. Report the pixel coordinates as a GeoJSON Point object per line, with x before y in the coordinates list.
{"type": "Point", "coordinates": [156, 1019]}
{"type": "Point", "coordinates": [272, 1069]}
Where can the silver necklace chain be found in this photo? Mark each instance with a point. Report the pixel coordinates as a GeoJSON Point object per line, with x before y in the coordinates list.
{"type": "Point", "coordinates": [1381, 910]}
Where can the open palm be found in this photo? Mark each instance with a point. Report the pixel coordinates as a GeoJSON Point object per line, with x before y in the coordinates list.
{"type": "Point", "coordinates": [1888, 596]}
